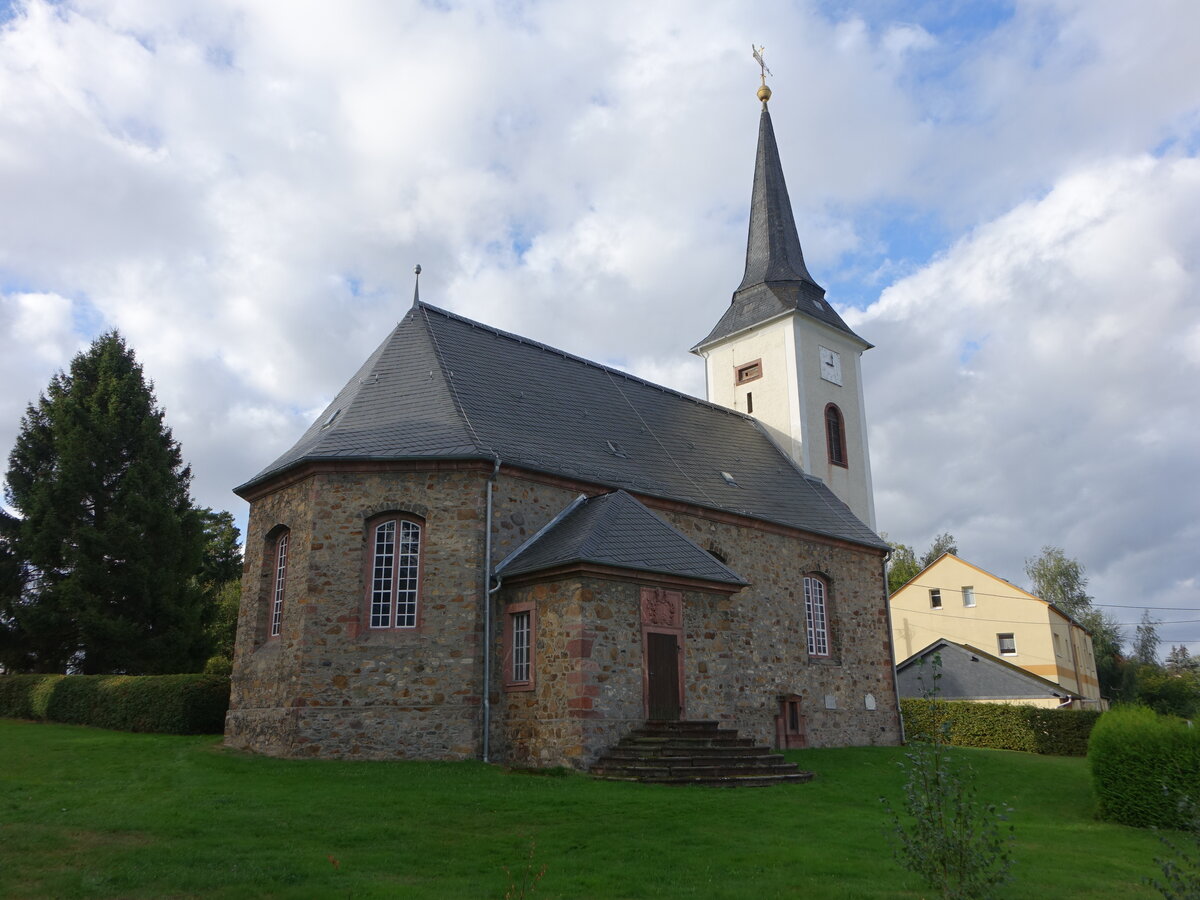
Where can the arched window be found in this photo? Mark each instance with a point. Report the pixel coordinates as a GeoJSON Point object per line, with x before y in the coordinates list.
{"type": "Point", "coordinates": [278, 560]}
{"type": "Point", "coordinates": [816, 614]}
{"type": "Point", "coordinates": [835, 435]}
{"type": "Point", "coordinates": [394, 571]}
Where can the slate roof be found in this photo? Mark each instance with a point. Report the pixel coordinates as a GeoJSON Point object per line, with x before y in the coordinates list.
{"type": "Point", "coordinates": [969, 673]}
{"type": "Point", "coordinates": [615, 530]}
{"type": "Point", "coordinates": [776, 280]}
{"type": "Point", "coordinates": [442, 386]}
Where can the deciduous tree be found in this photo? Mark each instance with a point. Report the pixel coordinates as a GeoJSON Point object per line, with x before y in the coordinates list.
{"type": "Point", "coordinates": [1145, 642]}
{"type": "Point", "coordinates": [1060, 580]}
{"type": "Point", "coordinates": [943, 543]}
{"type": "Point", "coordinates": [902, 567]}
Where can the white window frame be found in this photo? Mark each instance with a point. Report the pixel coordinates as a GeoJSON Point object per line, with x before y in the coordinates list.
{"type": "Point", "coordinates": [1012, 639]}
{"type": "Point", "coordinates": [816, 614]}
{"type": "Point", "coordinates": [935, 598]}
{"type": "Point", "coordinates": [279, 583]}
{"type": "Point", "coordinates": [395, 574]}
{"type": "Point", "coordinates": [968, 593]}
{"type": "Point", "coordinates": [522, 646]}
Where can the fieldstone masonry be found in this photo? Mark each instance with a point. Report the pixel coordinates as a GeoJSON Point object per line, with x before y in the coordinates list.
{"type": "Point", "coordinates": [329, 686]}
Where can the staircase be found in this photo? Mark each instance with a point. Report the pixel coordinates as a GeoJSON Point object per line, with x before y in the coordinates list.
{"type": "Point", "coordinates": [694, 753]}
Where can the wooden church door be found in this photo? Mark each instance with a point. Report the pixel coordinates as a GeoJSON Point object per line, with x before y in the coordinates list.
{"type": "Point", "coordinates": [662, 640]}
{"type": "Point", "coordinates": [662, 671]}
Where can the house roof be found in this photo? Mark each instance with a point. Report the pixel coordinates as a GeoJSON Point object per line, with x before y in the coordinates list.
{"type": "Point", "coordinates": [972, 673]}
{"type": "Point", "coordinates": [441, 386]}
{"type": "Point", "coordinates": [776, 280]}
{"type": "Point", "coordinates": [615, 530]}
{"type": "Point", "coordinates": [915, 582]}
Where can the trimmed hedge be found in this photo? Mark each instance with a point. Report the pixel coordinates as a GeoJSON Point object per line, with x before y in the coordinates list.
{"type": "Point", "coordinates": [1000, 726]}
{"type": "Point", "coordinates": [1145, 768]}
{"type": "Point", "coordinates": [166, 704]}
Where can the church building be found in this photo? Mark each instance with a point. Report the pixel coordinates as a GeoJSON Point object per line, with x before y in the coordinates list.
{"type": "Point", "coordinates": [489, 548]}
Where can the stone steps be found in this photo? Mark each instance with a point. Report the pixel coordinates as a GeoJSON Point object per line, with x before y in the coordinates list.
{"type": "Point", "coordinates": [695, 752]}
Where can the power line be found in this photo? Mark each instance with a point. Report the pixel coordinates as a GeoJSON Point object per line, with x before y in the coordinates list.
{"type": "Point", "coordinates": [1023, 591]}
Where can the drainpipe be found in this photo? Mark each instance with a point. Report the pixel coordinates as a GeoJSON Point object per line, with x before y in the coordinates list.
{"type": "Point", "coordinates": [487, 614]}
{"type": "Point", "coordinates": [887, 604]}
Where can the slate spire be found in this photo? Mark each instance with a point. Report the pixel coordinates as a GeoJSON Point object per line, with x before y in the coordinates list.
{"type": "Point", "coordinates": [773, 251]}
{"type": "Point", "coordinates": [776, 280]}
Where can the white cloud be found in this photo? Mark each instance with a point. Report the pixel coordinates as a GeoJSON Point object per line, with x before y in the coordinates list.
{"type": "Point", "coordinates": [243, 189]}
{"type": "Point", "coordinates": [1075, 423]}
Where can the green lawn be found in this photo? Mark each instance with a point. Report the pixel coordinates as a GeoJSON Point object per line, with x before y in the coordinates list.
{"type": "Point", "coordinates": [91, 813]}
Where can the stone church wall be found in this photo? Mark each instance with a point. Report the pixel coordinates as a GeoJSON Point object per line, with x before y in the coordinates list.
{"type": "Point", "coordinates": [329, 686]}
{"type": "Point", "coordinates": [756, 641]}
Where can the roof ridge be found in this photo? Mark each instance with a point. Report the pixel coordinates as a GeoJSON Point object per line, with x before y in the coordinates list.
{"type": "Point", "coordinates": [579, 359]}
{"type": "Point", "coordinates": [588, 544]}
{"type": "Point", "coordinates": [448, 375]}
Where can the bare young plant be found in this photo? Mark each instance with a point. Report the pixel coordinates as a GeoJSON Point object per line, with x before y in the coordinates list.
{"type": "Point", "coordinates": [945, 834]}
{"type": "Point", "coordinates": [529, 877]}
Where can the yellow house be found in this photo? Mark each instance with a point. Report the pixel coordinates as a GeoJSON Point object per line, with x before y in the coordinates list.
{"type": "Point", "coordinates": [950, 598]}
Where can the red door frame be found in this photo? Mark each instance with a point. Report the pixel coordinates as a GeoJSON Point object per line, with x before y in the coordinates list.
{"type": "Point", "coordinates": [662, 613]}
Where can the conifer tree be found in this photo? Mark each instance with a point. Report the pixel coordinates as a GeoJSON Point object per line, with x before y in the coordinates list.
{"type": "Point", "coordinates": [107, 539]}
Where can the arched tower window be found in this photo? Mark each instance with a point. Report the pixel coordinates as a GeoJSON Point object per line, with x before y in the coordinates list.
{"type": "Point", "coordinates": [835, 435]}
{"type": "Point", "coordinates": [278, 560]}
{"type": "Point", "coordinates": [394, 571]}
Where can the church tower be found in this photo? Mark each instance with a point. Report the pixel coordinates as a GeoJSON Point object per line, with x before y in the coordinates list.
{"type": "Point", "coordinates": [782, 354]}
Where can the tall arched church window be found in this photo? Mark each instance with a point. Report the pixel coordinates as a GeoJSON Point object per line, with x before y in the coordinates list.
{"type": "Point", "coordinates": [394, 571]}
{"type": "Point", "coordinates": [816, 614]}
{"type": "Point", "coordinates": [835, 435]}
{"type": "Point", "coordinates": [279, 565]}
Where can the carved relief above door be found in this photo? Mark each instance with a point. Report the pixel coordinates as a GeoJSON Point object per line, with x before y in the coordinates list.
{"type": "Point", "coordinates": [662, 608]}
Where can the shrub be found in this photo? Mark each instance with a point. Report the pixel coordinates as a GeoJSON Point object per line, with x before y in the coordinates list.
{"type": "Point", "coordinates": [168, 704]}
{"type": "Point", "coordinates": [219, 665]}
{"type": "Point", "coordinates": [1145, 768]}
{"type": "Point", "coordinates": [1000, 726]}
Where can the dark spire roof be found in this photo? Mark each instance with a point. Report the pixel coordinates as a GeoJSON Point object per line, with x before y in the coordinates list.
{"type": "Point", "coordinates": [444, 387]}
{"type": "Point", "coordinates": [773, 247]}
{"type": "Point", "coordinates": [615, 530]}
{"type": "Point", "coordinates": [776, 280]}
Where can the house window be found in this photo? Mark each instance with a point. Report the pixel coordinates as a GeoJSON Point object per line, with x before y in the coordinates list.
{"type": "Point", "coordinates": [816, 614]}
{"type": "Point", "coordinates": [519, 636]}
{"type": "Point", "coordinates": [835, 435]}
{"type": "Point", "coordinates": [1057, 644]}
{"type": "Point", "coordinates": [968, 596]}
{"type": "Point", "coordinates": [935, 598]}
{"type": "Point", "coordinates": [751, 371]}
{"type": "Point", "coordinates": [749, 402]}
{"type": "Point", "coordinates": [395, 572]}
{"type": "Point", "coordinates": [278, 582]}
{"type": "Point", "coordinates": [1007, 644]}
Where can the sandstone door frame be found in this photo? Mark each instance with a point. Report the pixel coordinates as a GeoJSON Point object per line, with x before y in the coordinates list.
{"type": "Point", "coordinates": [662, 613]}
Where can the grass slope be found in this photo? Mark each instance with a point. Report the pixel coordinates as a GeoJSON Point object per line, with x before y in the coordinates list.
{"type": "Point", "coordinates": [91, 813]}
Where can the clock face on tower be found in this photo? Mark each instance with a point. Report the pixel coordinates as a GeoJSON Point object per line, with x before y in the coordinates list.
{"type": "Point", "coordinates": [831, 365]}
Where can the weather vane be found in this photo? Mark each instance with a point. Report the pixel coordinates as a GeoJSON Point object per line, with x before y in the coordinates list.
{"type": "Point", "coordinates": [764, 92]}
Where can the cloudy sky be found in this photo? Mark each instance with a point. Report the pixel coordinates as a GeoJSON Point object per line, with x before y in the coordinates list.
{"type": "Point", "coordinates": [1002, 196]}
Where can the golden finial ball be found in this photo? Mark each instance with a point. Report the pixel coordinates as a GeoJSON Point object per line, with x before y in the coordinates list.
{"type": "Point", "coordinates": [764, 93]}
